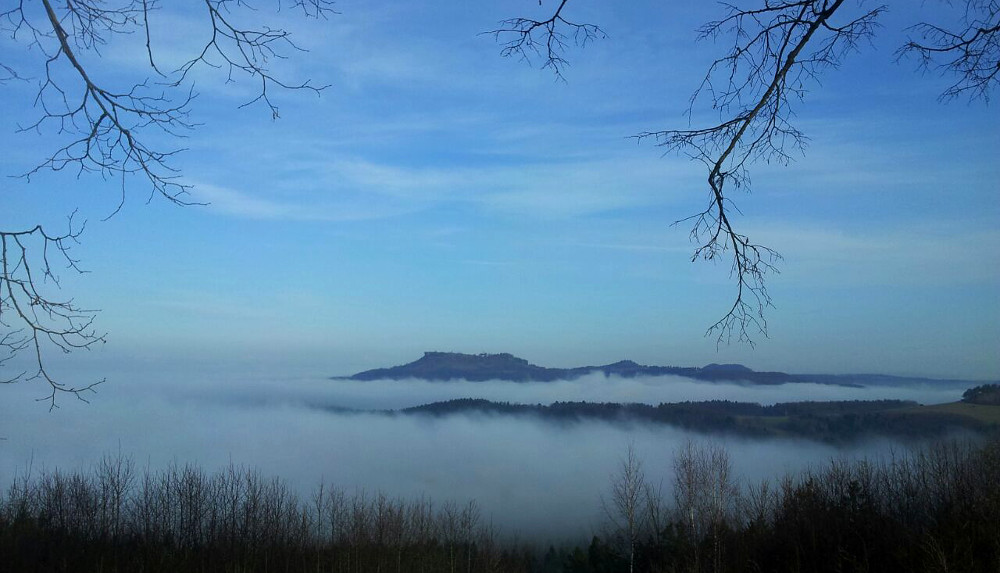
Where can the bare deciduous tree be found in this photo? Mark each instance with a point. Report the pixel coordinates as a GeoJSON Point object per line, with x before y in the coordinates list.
{"type": "Point", "coordinates": [625, 509]}
{"type": "Point", "coordinates": [184, 519]}
{"type": "Point", "coordinates": [705, 494]}
{"type": "Point", "coordinates": [778, 49]}
{"type": "Point", "coordinates": [111, 132]}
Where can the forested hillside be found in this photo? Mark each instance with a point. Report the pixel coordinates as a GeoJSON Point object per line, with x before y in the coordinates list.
{"type": "Point", "coordinates": [832, 422]}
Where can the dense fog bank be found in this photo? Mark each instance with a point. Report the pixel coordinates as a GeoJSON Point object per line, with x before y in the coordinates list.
{"type": "Point", "coordinates": [388, 394]}
{"type": "Point", "coordinates": [395, 394]}
{"type": "Point", "coordinates": [522, 471]}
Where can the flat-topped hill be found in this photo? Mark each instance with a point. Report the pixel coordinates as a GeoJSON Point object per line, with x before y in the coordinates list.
{"type": "Point", "coordinates": [504, 366]}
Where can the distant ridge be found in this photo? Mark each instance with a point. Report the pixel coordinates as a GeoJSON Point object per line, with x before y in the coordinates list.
{"type": "Point", "coordinates": [837, 422]}
{"type": "Point", "coordinates": [443, 366]}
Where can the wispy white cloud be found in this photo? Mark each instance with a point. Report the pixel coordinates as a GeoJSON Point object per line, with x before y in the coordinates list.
{"type": "Point", "coordinates": [243, 204]}
{"type": "Point", "coordinates": [252, 205]}
{"type": "Point", "coordinates": [358, 188]}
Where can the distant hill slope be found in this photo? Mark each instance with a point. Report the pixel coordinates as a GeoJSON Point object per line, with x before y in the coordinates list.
{"type": "Point", "coordinates": [482, 367]}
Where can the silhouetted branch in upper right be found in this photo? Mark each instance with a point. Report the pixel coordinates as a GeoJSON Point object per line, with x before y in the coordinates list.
{"type": "Point", "coordinates": [778, 49]}
{"type": "Point", "coordinates": [972, 53]}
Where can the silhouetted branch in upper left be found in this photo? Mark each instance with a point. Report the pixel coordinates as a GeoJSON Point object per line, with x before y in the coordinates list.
{"type": "Point", "coordinates": [113, 132]}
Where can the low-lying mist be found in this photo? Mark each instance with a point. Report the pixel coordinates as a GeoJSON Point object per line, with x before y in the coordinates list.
{"type": "Point", "coordinates": [396, 394]}
{"type": "Point", "coordinates": [528, 475]}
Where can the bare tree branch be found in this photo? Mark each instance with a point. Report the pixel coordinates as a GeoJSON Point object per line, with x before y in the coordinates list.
{"type": "Point", "coordinates": [249, 51]}
{"type": "Point", "coordinates": [972, 54]}
{"type": "Point", "coordinates": [30, 317]}
{"type": "Point", "coordinates": [546, 39]}
{"type": "Point", "coordinates": [624, 509]}
{"type": "Point", "coordinates": [108, 131]}
{"type": "Point", "coordinates": [778, 49]}
{"type": "Point", "coordinates": [8, 73]}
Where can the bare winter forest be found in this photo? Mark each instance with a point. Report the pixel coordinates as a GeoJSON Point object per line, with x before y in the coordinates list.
{"type": "Point", "coordinates": [931, 509]}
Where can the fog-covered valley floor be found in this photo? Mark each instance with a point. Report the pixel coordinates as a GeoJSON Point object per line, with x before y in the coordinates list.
{"type": "Point", "coordinates": [529, 476]}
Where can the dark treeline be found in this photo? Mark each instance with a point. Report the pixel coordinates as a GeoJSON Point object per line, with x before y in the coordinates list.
{"type": "Point", "coordinates": [933, 509]}
{"type": "Point", "coordinates": [117, 519]}
{"type": "Point", "coordinates": [833, 421]}
{"type": "Point", "coordinates": [937, 509]}
{"type": "Point", "coordinates": [986, 395]}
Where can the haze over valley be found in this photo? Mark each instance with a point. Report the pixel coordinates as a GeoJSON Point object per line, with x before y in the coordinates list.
{"type": "Point", "coordinates": [499, 287]}
{"type": "Point", "coordinates": [530, 475]}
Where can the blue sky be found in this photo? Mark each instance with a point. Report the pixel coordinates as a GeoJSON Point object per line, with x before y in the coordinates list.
{"type": "Point", "coordinates": [437, 196]}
